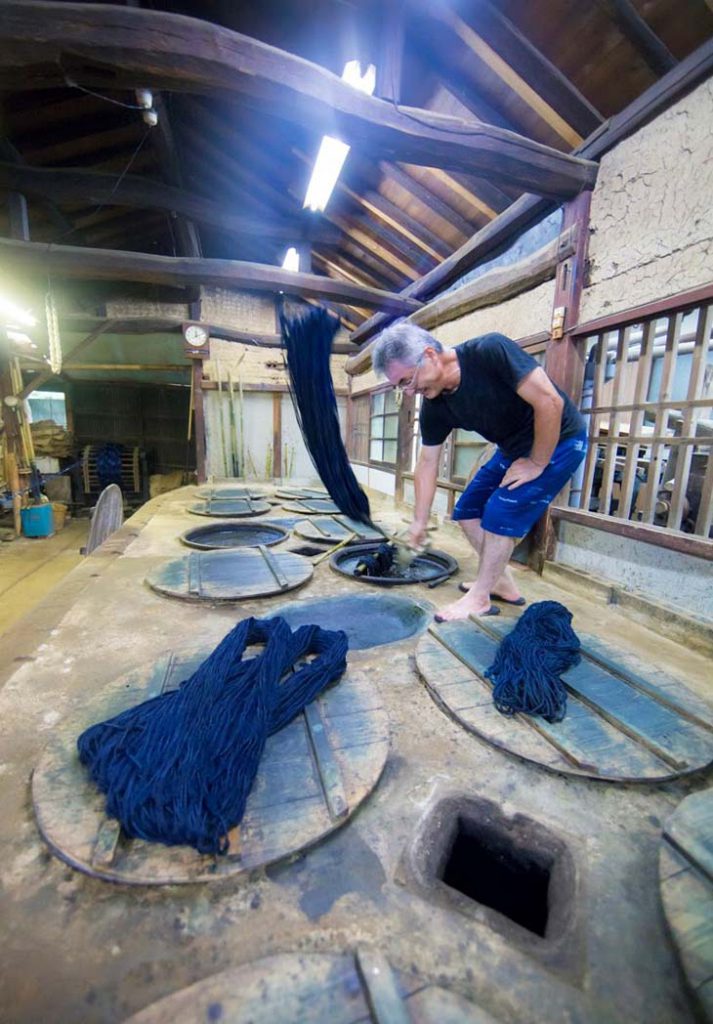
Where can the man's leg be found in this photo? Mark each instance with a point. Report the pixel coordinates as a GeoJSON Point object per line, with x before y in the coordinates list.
{"type": "Point", "coordinates": [494, 557]}
{"type": "Point", "coordinates": [505, 586]}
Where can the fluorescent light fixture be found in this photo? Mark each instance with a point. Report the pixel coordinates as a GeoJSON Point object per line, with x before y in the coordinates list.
{"type": "Point", "coordinates": [292, 259]}
{"type": "Point", "coordinates": [13, 316]}
{"type": "Point", "coordinates": [332, 152]}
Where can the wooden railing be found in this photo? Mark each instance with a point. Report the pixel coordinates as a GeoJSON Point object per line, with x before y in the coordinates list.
{"type": "Point", "coordinates": [648, 396]}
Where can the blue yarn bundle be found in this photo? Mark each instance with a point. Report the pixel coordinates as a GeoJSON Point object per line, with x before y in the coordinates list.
{"type": "Point", "coordinates": [530, 661]}
{"type": "Point", "coordinates": [177, 769]}
{"type": "Point", "coordinates": [307, 340]}
{"type": "Point", "coordinates": [109, 465]}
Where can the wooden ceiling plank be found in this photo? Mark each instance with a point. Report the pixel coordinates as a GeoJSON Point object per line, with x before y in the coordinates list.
{"type": "Point", "coordinates": [72, 262]}
{"type": "Point", "coordinates": [348, 259]}
{"type": "Point", "coordinates": [460, 190]}
{"type": "Point", "coordinates": [552, 85]}
{"type": "Point", "coordinates": [193, 55]}
{"type": "Point", "coordinates": [477, 45]}
{"type": "Point", "coordinates": [409, 184]}
{"type": "Point", "coordinates": [94, 142]}
{"type": "Point", "coordinates": [645, 41]}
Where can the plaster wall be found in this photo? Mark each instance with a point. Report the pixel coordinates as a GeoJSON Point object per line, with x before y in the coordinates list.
{"type": "Point", "coordinates": [525, 314]}
{"type": "Point", "coordinates": [651, 216]}
{"type": "Point", "coordinates": [669, 577]}
{"type": "Point", "coordinates": [375, 479]}
{"type": "Point", "coordinates": [255, 365]}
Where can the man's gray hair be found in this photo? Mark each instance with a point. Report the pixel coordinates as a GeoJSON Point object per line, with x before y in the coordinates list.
{"type": "Point", "coordinates": [403, 343]}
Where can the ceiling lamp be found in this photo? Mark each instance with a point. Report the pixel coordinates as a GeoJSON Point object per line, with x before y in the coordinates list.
{"type": "Point", "coordinates": [333, 152]}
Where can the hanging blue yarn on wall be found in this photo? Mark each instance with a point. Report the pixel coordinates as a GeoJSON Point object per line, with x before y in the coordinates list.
{"type": "Point", "coordinates": [307, 340]}
{"type": "Point", "coordinates": [177, 769]}
{"type": "Point", "coordinates": [530, 661]}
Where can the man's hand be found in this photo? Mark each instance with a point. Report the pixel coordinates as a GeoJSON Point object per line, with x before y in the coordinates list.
{"type": "Point", "coordinates": [416, 535]}
{"type": "Point", "coordinates": [521, 472]}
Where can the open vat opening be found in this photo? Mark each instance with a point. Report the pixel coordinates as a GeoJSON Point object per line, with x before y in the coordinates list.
{"type": "Point", "coordinates": [488, 866]}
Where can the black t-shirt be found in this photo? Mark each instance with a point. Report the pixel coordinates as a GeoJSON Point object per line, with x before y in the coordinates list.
{"type": "Point", "coordinates": [486, 399]}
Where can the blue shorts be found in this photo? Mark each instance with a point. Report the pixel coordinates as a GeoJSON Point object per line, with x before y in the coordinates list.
{"type": "Point", "coordinates": [511, 513]}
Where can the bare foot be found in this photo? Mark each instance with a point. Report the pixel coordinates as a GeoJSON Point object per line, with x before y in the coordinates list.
{"type": "Point", "coordinates": [508, 593]}
{"type": "Point", "coordinates": [468, 605]}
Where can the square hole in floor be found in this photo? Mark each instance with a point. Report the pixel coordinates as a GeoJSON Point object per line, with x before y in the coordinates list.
{"type": "Point", "coordinates": [507, 870]}
{"type": "Point", "coordinates": [485, 865]}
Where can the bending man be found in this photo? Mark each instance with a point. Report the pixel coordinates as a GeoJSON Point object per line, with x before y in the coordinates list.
{"type": "Point", "coordinates": [491, 386]}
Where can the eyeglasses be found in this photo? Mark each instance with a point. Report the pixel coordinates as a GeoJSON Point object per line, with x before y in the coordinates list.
{"type": "Point", "coordinates": [410, 384]}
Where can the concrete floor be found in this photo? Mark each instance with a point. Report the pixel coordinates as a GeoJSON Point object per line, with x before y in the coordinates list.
{"type": "Point", "coordinates": [32, 566]}
{"type": "Point", "coordinates": [78, 949]}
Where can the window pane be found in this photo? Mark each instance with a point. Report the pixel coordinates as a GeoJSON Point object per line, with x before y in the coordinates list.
{"type": "Point", "coordinates": [375, 451]}
{"type": "Point", "coordinates": [390, 452]}
{"type": "Point", "coordinates": [391, 427]}
{"type": "Point", "coordinates": [377, 426]}
{"type": "Point", "coordinates": [465, 459]}
{"type": "Point", "coordinates": [390, 404]}
{"type": "Point", "coordinates": [377, 403]}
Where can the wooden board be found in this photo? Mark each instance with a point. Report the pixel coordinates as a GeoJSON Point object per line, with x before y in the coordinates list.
{"type": "Point", "coordinates": [233, 575]}
{"type": "Point", "coordinates": [686, 883]}
{"type": "Point", "coordinates": [619, 725]}
{"type": "Point", "coordinates": [313, 775]}
{"type": "Point", "coordinates": [229, 508]}
{"type": "Point", "coordinates": [333, 529]}
{"type": "Point", "coordinates": [231, 491]}
{"type": "Point", "coordinates": [301, 492]}
{"type": "Point", "coordinates": [316, 987]}
{"type": "Point", "coordinates": [311, 506]}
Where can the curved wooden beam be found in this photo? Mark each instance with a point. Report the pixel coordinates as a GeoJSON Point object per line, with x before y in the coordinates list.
{"type": "Point", "coordinates": [72, 185]}
{"type": "Point", "coordinates": [41, 40]}
{"type": "Point", "coordinates": [78, 263]}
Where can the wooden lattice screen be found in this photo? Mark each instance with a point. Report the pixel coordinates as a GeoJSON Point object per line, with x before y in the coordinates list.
{"type": "Point", "coordinates": [648, 393]}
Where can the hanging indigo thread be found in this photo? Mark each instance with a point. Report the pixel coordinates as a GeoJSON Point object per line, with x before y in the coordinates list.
{"type": "Point", "coordinates": [307, 340]}
{"type": "Point", "coordinates": [530, 661]}
{"type": "Point", "coordinates": [177, 769]}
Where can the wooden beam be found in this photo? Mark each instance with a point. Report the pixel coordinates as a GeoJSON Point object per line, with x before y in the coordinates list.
{"type": "Point", "coordinates": [640, 35]}
{"type": "Point", "coordinates": [659, 536]}
{"type": "Point", "coordinates": [189, 241]}
{"type": "Point", "coordinates": [70, 185]}
{"type": "Point", "coordinates": [685, 76]}
{"type": "Point", "coordinates": [134, 327]}
{"type": "Point", "coordinates": [41, 39]}
{"type": "Point", "coordinates": [502, 68]}
{"type": "Point", "coordinates": [554, 87]}
{"type": "Point", "coordinates": [13, 156]}
{"type": "Point", "coordinates": [81, 346]}
{"type": "Point", "coordinates": [493, 287]}
{"type": "Point", "coordinates": [515, 219]}
{"type": "Point", "coordinates": [409, 184]}
{"type": "Point", "coordinates": [72, 262]}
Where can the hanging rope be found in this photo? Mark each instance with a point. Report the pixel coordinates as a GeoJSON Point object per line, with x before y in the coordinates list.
{"type": "Point", "coordinates": [307, 340]}
{"type": "Point", "coordinates": [178, 769]}
{"type": "Point", "coordinates": [55, 342]}
{"type": "Point", "coordinates": [530, 661]}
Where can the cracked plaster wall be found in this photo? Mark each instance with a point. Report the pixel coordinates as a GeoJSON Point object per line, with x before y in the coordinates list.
{"type": "Point", "coordinates": [652, 211]}
{"type": "Point", "coordinates": [525, 314]}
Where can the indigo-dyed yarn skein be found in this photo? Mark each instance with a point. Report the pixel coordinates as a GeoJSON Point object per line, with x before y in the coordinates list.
{"type": "Point", "coordinates": [530, 661]}
{"type": "Point", "coordinates": [178, 768]}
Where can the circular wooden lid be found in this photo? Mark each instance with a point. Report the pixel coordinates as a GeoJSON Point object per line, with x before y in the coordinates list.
{"type": "Point", "coordinates": [229, 508]}
{"type": "Point", "coordinates": [316, 987]}
{"type": "Point", "coordinates": [619, 725]}
{"type": "Point", "coordinates": [313, 775]}
{"type": "Point", "coordinates": [233, 575]}
{"type": "Point", "coordinates": [334, 529]}
{"type": "Point", "coordinates": [311, 506]}
{"type": "Point", "coordinates": [686, 882]}
{"type": "Point", "coordinates": [231, 491]}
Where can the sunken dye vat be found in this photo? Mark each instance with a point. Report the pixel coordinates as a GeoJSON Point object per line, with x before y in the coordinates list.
{"type": "Point", "coordinates": [369, 620]}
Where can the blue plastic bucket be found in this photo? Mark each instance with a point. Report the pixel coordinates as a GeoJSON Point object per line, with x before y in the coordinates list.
{"type": "Point", "coordinates": [37, 521]}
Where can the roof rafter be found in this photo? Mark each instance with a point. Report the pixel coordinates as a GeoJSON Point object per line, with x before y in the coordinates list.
{"type": "Point", "coordinates": [185, 53]}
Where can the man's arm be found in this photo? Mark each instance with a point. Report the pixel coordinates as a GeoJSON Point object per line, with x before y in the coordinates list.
{"type": "Point", "coordinates": [538, 391]}
{"type": "Point", "coordinates": [424, 479]}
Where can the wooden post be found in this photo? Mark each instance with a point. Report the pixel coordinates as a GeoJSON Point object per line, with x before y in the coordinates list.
{"type": "Point", "coordinates": [565, 354]}
{"type": "Point", "coordinates": [199, 419]}
{"type": "Point", "coordinates": [277, 434]}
